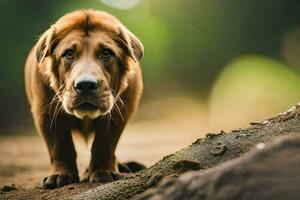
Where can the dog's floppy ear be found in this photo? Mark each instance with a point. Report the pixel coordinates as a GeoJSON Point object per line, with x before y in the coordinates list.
{"type": "Point", "coordinates": [130, 44]}
{"type": "Point", "coordinates": [136, 47]}
{"type": "Point", "coordinates": [45, 44]}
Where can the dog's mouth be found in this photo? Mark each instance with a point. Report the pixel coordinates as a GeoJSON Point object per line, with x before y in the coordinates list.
{"type": "Point", "coordinates": [87, 107]}
{"type": "Point", "coordinates": [91, 107]}
{"type": "Point", "coordinates": [86, 110]}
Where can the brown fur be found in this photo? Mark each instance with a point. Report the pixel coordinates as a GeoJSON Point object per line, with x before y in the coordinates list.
{"type": "Point", "coordinates": [49, 80]}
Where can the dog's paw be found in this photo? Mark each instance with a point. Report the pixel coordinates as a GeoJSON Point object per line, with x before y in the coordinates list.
{"type": "Point", "coordinates": [104, 176]}
{"type": "Point", "coordinates": [57, 181]}
{"type": "Point", "coordinates": [131, 167]}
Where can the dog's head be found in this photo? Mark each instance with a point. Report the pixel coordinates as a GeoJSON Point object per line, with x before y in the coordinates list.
{"type": "Point", "coordinates": [86, 58]}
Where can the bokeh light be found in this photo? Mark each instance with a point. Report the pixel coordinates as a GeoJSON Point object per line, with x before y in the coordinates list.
{"type": "Point", "coordinates": [251, 88]}
{"type": "Point", "coordinates": [121, 4]}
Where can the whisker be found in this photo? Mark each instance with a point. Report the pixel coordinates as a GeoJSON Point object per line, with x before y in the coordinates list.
{"type": "Point", "coordinates": [56, 99]}
{"type": "Point", "coordinates": [112, 118]}
{"type": "Point", "coordinates": [57, 94]}
{"type": "Point", "coordinates": [120, 100]}
{"type": "Point", "coordinates": [54, 115]}
{"type": "Point", "coordinates": [116, 107]}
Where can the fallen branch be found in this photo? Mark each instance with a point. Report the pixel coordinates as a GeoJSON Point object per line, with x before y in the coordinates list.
{"type": "Point", "coordinates": [202, 154]}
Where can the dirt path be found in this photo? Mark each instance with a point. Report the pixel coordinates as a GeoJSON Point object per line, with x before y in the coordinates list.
{"type": "Point", "coordinates": [24, 160]}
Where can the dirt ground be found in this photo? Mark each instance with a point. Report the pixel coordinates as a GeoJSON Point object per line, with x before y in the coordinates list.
{"type": "Point", "coordinates": [24, 160]}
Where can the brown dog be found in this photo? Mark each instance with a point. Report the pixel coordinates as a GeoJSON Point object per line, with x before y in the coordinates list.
{"type": "Point", "coordinates": [83, 75]}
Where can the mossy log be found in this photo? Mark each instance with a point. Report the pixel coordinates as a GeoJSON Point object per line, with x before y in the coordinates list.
{"type": "Point", "coordinates": [203, 154]}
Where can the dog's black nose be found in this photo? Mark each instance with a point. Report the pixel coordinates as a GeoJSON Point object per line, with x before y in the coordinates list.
{"type": "Point", "coordinates": [86, 85]}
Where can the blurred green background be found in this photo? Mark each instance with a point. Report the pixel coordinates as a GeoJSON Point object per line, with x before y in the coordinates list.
{"type": "Point", "coordinates": [239, 59]}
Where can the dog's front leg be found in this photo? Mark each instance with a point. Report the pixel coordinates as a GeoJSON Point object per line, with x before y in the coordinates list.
{"type": "Point", "coordinates": [57, 135]}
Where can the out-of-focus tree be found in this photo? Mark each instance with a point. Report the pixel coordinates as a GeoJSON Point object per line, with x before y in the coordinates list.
{"type": "Point", "coordinates": [187, 43]}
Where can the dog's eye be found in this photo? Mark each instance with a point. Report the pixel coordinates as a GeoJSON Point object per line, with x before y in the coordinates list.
{"type": "Point", "coordinates": [69, 54]}
{"type": "Point", "coordinates": [106, 54]}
